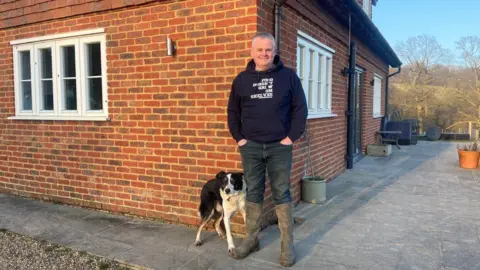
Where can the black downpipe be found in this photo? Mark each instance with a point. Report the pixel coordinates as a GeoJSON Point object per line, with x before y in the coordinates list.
{"type": "Point", "coordinates": [384, 119]}
{"type": "Point", "coordinates": [278, 15]}
{"type": "Point", "coordinates": [277, 26]}
{"type": "Point", "coordinates": [351, 104]}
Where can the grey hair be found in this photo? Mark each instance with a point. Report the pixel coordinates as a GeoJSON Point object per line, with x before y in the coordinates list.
{"type": "Point", "coordinates": [264, 35]}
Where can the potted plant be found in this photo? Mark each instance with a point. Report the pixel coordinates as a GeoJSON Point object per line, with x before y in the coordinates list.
{"type": "Point", "coordinates": [468, 155]}
{"type": "Point", "coordinates": [314, 188]}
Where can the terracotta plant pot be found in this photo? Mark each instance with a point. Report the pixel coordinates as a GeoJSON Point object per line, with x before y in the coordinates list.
{"type": "Point", "coordinates": [468, 159]}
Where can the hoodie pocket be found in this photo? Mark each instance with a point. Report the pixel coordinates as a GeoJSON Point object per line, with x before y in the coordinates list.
{"type": "Point", "coordinates": [265, 126]}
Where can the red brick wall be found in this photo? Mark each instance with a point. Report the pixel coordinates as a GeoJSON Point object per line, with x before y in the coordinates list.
{"type": "Point", "coordinates": [168, 133]}
{"type": "Point", "coordinates": [328, 135]}
{"type": "Point", "coordinates": [20, 12]}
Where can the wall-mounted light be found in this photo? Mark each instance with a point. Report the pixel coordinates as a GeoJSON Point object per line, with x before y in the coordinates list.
{"type": "Point", "coordinates": [171, 48]}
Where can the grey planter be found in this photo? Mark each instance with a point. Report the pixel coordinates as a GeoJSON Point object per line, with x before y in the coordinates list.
{"type": "Point", "coordinates": [379, 150]}
{"type": "Point", "coordinates": [314, 189]}
{"type": "Point", "coordinates": [434, 133]}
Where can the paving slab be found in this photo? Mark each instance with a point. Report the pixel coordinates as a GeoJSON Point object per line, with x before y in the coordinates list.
{"type": "Point", "coordinates": [359, 258]}
{"type": "Point", "coordinates": [461, 255]}
{"type": "Point", "coordinates": [419, 258]}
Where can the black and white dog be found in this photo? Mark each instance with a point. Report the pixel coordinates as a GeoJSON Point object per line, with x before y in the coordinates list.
{"type": "Point", "coordinates": [221, 198]}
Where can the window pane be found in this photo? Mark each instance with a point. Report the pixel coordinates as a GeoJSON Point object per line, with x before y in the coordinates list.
{"type": "Point", "coordinates": [70, 94]}
{"type": "Point", "coordinates": [95, 94]}
{"type": "Point", "coordinates": [69, 61]}
{"type": "Point", "coordinates": [320, 82]}
{"type": "Point", "coordinates": [302, 61]}
{"type": "Point", "coordinates": [311, 69]}
{"type": "Point", "coordinates": [47, 96]}
{"type": "Point", "coordinates": [377, 96]}
{"type": "Point", "coordinates": [26, 95]}
{"type": "Point", "coordinates": [320, 67]}
{"type": "Point", "coordinates": [328, 69]}
{"type": "Point", "coordinates": [310, 94]}
{"type": "Point", "coordinates": [25, 65]}
{"type": "Point", "coordinates": [312, 64]}
{"type": "Point", "coordinates": [328, 82]}
{"type": "Point", "coordinates": [46, 63]}
{"type": "Point", "coordinates": [94, 60]}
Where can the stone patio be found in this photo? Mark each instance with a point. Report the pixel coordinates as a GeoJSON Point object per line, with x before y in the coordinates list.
{"type": "Point", "coordinates": [415, 209]}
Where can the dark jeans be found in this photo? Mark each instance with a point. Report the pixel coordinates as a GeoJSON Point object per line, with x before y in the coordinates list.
{"type": "Point", "coordinates": [276, 159]}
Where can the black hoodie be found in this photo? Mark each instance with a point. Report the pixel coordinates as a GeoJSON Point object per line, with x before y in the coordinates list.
{"type": "Point", "coordinates": [267, 106]}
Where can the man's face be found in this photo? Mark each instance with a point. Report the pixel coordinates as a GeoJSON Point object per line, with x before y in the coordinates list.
{"type": "Point", "coordinates": [262, 53]}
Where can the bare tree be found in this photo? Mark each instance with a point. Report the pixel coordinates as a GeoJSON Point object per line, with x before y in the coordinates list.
{"type": "Point", "coordinates": [422, 54]}
{"type": "Point", "coordinates": [470, 51]}
{"type": "Point", "coordinates": [469, 48]}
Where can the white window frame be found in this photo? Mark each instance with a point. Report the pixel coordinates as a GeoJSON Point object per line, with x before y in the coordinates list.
{"type": "Point", "coordinates": [84, 65]}
{"type": "Point", "coordinates": [18, 79]}
{"type": "Point", "coordinates": [38, 81]}
{"type": "Point", "coordinates": [377, 96]}
{"type": "Point", "coordinates": [78, 39]}
{"type": "Point", "coordinates": [319, 98]}
{"type": "Point", "coordinates": [60, 91]}
{"type": "Point", "coordinates": [367, 6]}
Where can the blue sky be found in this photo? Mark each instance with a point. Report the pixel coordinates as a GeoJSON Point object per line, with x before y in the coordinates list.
{"type": "Point", "coordinates": [447, 20]}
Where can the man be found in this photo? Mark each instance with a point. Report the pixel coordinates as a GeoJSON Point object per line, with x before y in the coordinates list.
{"type": "Point", "coordinates": [267, 112]}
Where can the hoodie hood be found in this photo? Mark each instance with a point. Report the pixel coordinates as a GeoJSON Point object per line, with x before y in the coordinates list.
{"type": "Point", "coordinates": [277, 65]}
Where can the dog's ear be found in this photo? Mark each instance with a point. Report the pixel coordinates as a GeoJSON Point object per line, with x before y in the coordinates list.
{"type": "Point", "coordinates": [221, 174]}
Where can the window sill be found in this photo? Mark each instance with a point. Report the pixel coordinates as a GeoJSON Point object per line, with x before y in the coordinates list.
{"type": "Point", "coordinates": [377, 116]}
{"type": "Point", "coordinates": [67, 118]}
{"type": "Point", "coordinates": [324, 115]}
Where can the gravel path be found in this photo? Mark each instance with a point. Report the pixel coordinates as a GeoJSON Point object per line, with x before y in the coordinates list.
{"type": "Point", "coordinates": [22, 252]}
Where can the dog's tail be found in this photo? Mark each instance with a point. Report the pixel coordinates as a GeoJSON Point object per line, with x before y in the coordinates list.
{"type": "Point", "coordinates": [204, 210]}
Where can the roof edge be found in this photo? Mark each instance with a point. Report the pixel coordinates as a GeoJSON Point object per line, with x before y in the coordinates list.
{"type": "Point", "coordinates": [390, 55]}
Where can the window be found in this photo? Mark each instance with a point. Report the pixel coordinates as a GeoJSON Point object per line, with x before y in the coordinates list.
{"type": "Point", "coordinates": [61, 77]}
{"type": "Point", "coordinates": [314, 67]}
{"type": "Point", "coordinates": [377, 96]}
{"type": "Point", "coordinates": [367, 6]}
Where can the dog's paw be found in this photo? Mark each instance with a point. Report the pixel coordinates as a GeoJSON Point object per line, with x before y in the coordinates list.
{"type": "Point", "coordinates": [198, 243]}
{"type": "Point", "coordinates": [231, 251]}
{"type": "Point", "coordinates": [221, 235]}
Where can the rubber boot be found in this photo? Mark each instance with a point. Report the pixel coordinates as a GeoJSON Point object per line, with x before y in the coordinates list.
{"type": "Point", "coordinates": [253, 220]}
{"type": "Point", "coordinates": [285, 224]}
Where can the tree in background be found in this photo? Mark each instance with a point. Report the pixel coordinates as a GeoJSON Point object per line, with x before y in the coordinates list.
{"type": "Point", "coordinates": [423, 56]}
{"type": "Point", "coordinates": [469, 48]}
{"type": "Point", "coordinates": [433, 92]}
{"type": "Point", "coordinates": [470, 53]}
